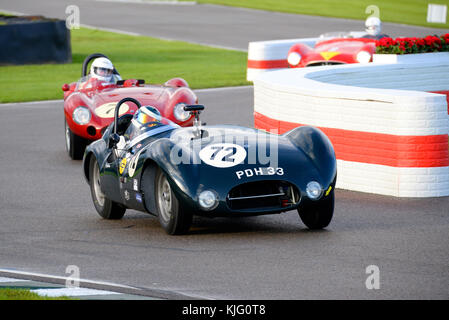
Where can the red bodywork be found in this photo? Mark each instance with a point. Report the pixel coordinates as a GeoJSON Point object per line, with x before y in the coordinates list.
{"type": "Point", "coordinates": [334, 51]}
{"type": "Point", "coordinates": [101, 100]}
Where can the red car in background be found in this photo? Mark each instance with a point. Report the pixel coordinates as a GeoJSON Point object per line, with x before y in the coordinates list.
{"type": "Point", "coordinates": [89, 104]}
{"type": "Point", "coordinates": [331, 49]}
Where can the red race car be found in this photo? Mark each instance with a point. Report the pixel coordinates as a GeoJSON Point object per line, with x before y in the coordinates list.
{"type": "Point", "coordinates": [89, 103]}
{"type": "Point", "coordinates": [331, 49]}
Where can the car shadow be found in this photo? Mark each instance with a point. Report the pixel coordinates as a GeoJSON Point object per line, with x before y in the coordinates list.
{"type": "Point", "coordinates": [259, 224]}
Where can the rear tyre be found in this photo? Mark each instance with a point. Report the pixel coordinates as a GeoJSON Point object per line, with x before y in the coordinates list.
{"type": "Point", "coordinates": [74, 144]}
{"type": "Point", "coordinates": [318, 214]}
{"type": "Point", "coordinates": [105, 207]}
{"type": "Point", "coordinates": [172, 217]}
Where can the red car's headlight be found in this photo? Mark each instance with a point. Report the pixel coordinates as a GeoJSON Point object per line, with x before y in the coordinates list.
{"type": "Point", "coordinates": [179, 112]}
{"type": "Point", "coordinates": [363, 57]}
{"type": "Point", "coordinates": [81, 115]}
{"type": "Point", "coordinates": [294, 58]}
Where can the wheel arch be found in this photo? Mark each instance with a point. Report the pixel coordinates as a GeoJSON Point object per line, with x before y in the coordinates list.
{"type": "Point", "coordinates": [317, 146]}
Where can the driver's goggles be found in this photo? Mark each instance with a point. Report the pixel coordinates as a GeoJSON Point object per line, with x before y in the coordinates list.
{"type": "Point", "coordinates": [144, 118]}
{"type": "Point", "coordinates": [103, 71]}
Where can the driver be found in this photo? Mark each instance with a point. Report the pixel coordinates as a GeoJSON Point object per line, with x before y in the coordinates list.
{"type": "Point", "coordinates": [144, 119]}
{"type": "Point", "coordinates": [373, 28]}
{"type": "Point", "coordinates": [101, 73]}
{"type": "Point", "coordinates": [102, 69]}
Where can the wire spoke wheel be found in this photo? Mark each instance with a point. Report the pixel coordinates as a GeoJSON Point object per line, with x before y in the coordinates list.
{"type": "Point", "coordinates": [74, 144]}
{"type": "Point", "coordinates": [105, 207]}
{"type": "Point", "coordinates": [165, 202]}
{"type": "Point", "coordinates": [67, 138]}
{"type": "Point", "coordinates": [172, 217]}
{"type": "Point", "coordinates": [99, 195]}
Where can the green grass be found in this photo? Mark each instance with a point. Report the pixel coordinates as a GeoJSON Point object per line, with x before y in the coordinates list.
{"type": "Point", "coordinates": [6, 14]}
{"type": "Point", "coordinates": [24, 294]}
{"type": "Point", "coordinates": [138, 57]}
{"type": "Point", "coordinates": [413, 12]}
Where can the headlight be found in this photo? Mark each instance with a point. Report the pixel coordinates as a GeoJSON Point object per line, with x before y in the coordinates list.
{"type": "Point", "coordinates": [314, 190]}
{"type": "Point", "coordinates": [179, 112]}
{"type": "Point", "coordinates": [81, 115]}
{"type": "Point", "coordinates": [363, 57]}
{"type": "Point", "coordinates": [208, 200]}
{"type": "Point", "coordinates": [294, 59]}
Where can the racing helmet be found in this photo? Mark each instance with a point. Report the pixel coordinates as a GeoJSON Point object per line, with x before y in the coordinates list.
{"type": "Point", "coordinates": [148, 116]}
{"type": "Point", "coordinates": [373, 26]}
{"type": "Point", "coordinates": [102, 69]}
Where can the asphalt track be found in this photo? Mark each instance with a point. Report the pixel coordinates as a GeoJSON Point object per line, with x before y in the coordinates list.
{"type": "Point", "coordinates": [48, 220]}
{"type": "Point", "coordinates": [206, 24]}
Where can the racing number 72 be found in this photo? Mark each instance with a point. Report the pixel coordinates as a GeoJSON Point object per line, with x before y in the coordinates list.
{"type": "Point", "coordinates": [223, 153]}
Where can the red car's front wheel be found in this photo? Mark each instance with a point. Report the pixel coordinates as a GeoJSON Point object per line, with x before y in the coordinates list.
{"type": "Point", "coordinates": [74, 144]}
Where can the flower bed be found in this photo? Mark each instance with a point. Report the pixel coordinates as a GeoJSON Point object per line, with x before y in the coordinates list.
{"type": "Point", "coordinates": [413, 45]}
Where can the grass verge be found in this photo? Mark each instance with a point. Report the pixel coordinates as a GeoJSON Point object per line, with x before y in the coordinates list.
{"type": "Point", "coordinates": [413, 12]}
{"type": "Point", "coordinates": [24, 294]}
{"type": "Point", "coordinates": [138, 57]}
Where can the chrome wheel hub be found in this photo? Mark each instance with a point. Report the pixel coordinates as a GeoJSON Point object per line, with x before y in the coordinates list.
{"type": "Point", "coordinates": [67, 137]}
{"type": "Point", "coordinates": [165, 199]}
{"type": "Point", "coordinates": [99, 195]}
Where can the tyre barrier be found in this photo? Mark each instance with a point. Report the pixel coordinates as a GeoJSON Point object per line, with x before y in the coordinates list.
{"type": "Point", "coordinates": [34, 40]}
{"type": "Point", "coordinates": [388, 126]}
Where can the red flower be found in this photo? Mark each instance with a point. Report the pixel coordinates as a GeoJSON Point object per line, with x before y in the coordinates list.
{"type": "Point", "coordinates": [428, 40]}
{"type": "Point", "coordinates": [413, 44]}
{"type": "Point", "coordinates": [385, 42]}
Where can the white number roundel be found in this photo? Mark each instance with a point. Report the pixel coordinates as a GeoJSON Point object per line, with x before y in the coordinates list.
{"type": "Point", "coordinates": [223, 155]}
{"type": "Point", "coordinates": [107, 110]}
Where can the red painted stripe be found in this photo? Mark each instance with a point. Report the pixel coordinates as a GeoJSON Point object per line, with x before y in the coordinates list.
{"type": "Point", "coordinates": [267, 64]}
{"type": "Point", "coordinates": [376, 148]}
{"type": "Point", "coordinates": [446, 92]}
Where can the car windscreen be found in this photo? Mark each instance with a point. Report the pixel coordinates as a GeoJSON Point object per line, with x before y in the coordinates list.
{"type": "Point", "coordinates": [342, 35]}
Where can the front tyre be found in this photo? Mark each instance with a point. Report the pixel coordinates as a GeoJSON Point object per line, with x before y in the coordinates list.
{"type": "Point", "coordinates": [318, 214]}
{"type": "Point", "coordinates": [105, 207]}
{"type": "Point", "coordinates": [171, 215]}
{"type": "Point", "coordinates": [74, 144]}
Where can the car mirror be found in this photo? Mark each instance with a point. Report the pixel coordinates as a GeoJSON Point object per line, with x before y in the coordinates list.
{"type": "Point", "coordinates": [113, 140]}
{"type": "Point", "coordinates": [193, 107]}
{"type": "Point", "coordinates": [65, 87]}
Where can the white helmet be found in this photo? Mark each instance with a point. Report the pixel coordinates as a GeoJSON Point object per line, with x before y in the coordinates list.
{"type": "Point", "coordinates": [102, 69]}
{"type": "Point", "coordinates": [373, 26]}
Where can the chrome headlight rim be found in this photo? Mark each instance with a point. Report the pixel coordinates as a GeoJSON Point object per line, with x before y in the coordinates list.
{"type": "Point", "coordinates": [179, 113]}
{"type": "Point", "coordinates": [314, 190]}
{"type": "Point", "coordinates": [294, 58]}
{"type": "Point", "coordinates": [363, 57]}
{"type": "Point", "coordinates": [208, 200]}
{"type": "Point", "coordinates": [81, 115]}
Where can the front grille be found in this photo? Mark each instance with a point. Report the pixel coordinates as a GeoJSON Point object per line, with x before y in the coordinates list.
{"type": "Point", "coordinates": [324, 63]}
{"type": "Point", "coordinates": [267, 194]}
